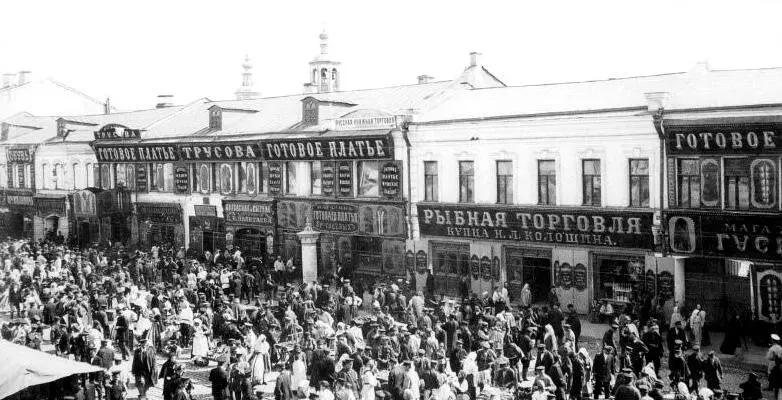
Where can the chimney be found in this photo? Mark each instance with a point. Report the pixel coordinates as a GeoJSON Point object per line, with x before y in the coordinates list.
{"type": "Point", "coordinates": [475, 59]}
{"type": "Point", "coordinates": [107, 106]}
{"type": "Point", "coordinates": [22, 77]}
{"type": "Point", "coordinates": [8, 80]}
{"type": "Point", "coordinates": [165, 100]}
{"type": "Point", "coordinates": [424, 79]}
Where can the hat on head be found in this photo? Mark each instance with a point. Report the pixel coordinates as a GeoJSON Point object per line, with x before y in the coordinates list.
{"type": "Point", "coordinates": [539, 368]}
{"type": "Point", "coordinates": [614, 325]}
{"type": "Point", "coordinates": [608, 348]}
{"type": "Point", "coordinates": [696, 347]}
{"type": "Point", "coordinates": [775, 337]}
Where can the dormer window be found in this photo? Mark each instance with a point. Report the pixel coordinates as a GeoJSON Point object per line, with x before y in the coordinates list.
{"type": "Point", "coordinates": [309, 111]}
{"type": "Point", "coordinates": [215, 118]}
{"type": "Point", "coordinates": [60, 127]}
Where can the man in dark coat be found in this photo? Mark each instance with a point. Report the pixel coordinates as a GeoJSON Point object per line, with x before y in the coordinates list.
{"type": "Point", "coordinates": [603, 369]}
{"type": "Point", "coordinates": [544, 358]}
{"type": "Point", "coordinates": [676, 333]}
{"type": "Point", "coordinates": [609, 337]}
{"type": "Point", "coordinates": [677, 364]}
{"type": "Point", "coordinates": [712, 371]}
{"type": "Point", "coordinates": [219, 379]}
{"type": "Point", "coordinates": [143, 368]}
{"type": "Point", "coordinates": [106, 354]}
{"type": "Point", "coordinates": [654, 342]}
{"type": "Point", "coordinates": [574, 322]}
{"type": "Point", "coordinates": [695, 365]}
{"type": "Point", "coordinates": [283, 390]}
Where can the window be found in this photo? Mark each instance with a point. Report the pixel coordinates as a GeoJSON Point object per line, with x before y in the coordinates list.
{"type": "Point", "coordinates": [368, 182]}
{"type": "Point", "coordinates": [89, 174]}
{"type": "Point", "coordinates": [547, 182]}
{"type": "Point", "coordinates": [591, 182]}
{"type": "Point", "coordinates": [504, 182]}
{"type": "Point", "coordinates": [689, 177]}
{"type": "Point", "coordinates": [710, 182]}
{"type": "Point", "coordinates": [121, 175]}
{"type": "Point", "coordinates": [263, 177]}
{"type": "Point", "coordinates": [290, 177]}
{"type": "Point", "coordinates": [316, 178]}
{"type": "Point", "coordinates": [158, 181]}
{"type": "Point", "coordinates": [639, 183]}
{"type": "Point", "coordinates": [466, 181]}
{"type": "Point", "coordinates": [737, 183]}
{"type": "Point", "coordinates": [430, 180]}
{"type": "Point", "coordinates": [202, 178]}
{"type": "Point", "coordinates": [764, 183]}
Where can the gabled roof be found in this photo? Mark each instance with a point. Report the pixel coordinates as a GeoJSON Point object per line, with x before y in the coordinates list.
{"type": "Point", "coordinates": [46, 97]}
{"type": "Point", "coordinates": [696, 89]}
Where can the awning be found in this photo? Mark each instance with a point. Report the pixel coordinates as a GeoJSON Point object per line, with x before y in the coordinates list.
{"type": "Point", "coordinates": [24, 367]}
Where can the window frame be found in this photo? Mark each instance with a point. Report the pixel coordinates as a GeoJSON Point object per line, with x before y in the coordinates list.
{"type": "Point", "coordinates": [596, 190]}
{"type": "Point", "coordinates": [550, 180]}
{"type": "Point", "coordinates": [431, 192]}
{"type": "Point", "coordinates": [642, 179]}
{"type": "Point", "coordinates": [359, 168]}
{"type": "Point", "coordinates": [504, 196]}
{"type": "Point", "coordinates": [466, 180]}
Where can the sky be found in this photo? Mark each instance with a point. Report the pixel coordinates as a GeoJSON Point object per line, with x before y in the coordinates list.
{"type": "Point", "coordinates": [131, 51]}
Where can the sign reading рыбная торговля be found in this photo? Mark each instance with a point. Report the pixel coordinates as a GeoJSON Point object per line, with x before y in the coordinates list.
{"type": "Point", "coordinates": [578, 227]}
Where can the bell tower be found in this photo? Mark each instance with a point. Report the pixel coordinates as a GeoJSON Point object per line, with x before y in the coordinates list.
{"type": "Point", "coordinates": [245, 91]}
{"type": "Point", "coordinates": [324, 71]}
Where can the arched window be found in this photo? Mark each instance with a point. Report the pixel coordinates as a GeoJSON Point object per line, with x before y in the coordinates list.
{"type": "Point", "coordinates": [89, 175]}
{"type": "Point", "coordinates": [334, 74]}
{"type": "Point", "coordinates": [46, 171]}
{"type": "Point", "coordinates": [314, 75]}
{"type": "Point", "coordinates": [76, 182]}
{"type": "Point", "coordinates": [59, 175]}
{"type": "Point", "coordinates": [324, 74]}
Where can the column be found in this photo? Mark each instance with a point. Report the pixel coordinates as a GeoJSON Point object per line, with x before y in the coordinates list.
{"type": "Point", "coordinates": [309, 253]}
{"type": "Point", "coordinates": [678, 280]}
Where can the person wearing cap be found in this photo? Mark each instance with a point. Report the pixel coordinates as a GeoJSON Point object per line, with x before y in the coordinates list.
{"type": "Point", "coordinates": [542, 380]}
{"type": "Point", "coordinates": [774, 351]}
{"type": "Point", "coordinates": [654, 343]}
{"type": "Point", "coordinates": [544, 357]}
{"type": "Point", "coordinates": [168, 373]}
{"type": "Point", "coordinates": [677, 364]}
{"type": "Point", "coordinates": [751, 389]}
{"type": "Point", "coordinates": [674, 334]}
{"type": "Point", "coordinates": [116, 389]}
{"type": "Point", "coordinates": [349, 375]}
{"type": "Point", "coordinates": [603, 370]}
{"type": "Point", "coordinates": [610, 337]}
{"type": "Point", "coordinates": [106, 354]}
{"type": "Point", "coordinates": [712, 371]}
{"type": "Point", "coordinates": [486, 356]}
{"type": "Point", "coordinates": [625, 390]}
{"type": "Point", "coordinates": [505, 377]}
{"type": "Point", "coordinates": [143, 368]}
{"type": "Point", "coordinates": [695, 366]}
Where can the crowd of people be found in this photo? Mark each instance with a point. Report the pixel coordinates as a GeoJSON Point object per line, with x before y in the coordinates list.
{"type": "Point", "coordinates": [256, 327]}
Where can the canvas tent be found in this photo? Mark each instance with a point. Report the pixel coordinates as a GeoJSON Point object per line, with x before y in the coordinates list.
{"type": "Point", "coordinates": [22, 367]}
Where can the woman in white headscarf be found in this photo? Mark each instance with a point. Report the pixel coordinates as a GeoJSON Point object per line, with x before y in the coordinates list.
{"type": "Point", "coordinates": [260, 360]}
{"type": "Point", "coordinates": [526, 296]}
{"type": "Point", "coordinates": [550, 338]}
{"type": "Point", "coordinates": [697, 321]}
{"type": "Point", "coordinates": [200, 341]}
{"type": "Point", "coordinates": [676, 316]}
{"type": "Point", "coordinates": [369, 381]}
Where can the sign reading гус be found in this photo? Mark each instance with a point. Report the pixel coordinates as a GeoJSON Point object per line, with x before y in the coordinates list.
{"type": "Point", "coordinates": [605, 228]}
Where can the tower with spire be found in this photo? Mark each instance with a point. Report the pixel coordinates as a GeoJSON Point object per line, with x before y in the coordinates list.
{"type": "Point", "coordinates": [246, 92]}
{"type": "Point", "coordinates": [324, 72]}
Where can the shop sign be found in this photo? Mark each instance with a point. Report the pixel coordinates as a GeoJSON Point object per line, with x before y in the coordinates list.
{"type": "Point", "coordinates": [248, 212]}
{"type": "Point", "coordinates": [275, 178]}
{"type": "Point", "coordinates": [390, 180]}
{"type": "Point", "coordinates": [220, 152]}
{"type": "Point", "coordinates": [137, 153]}
{"type": "Point", "coordinates": [335, 217]}
{"type": "Point", "coordinates": [421, 262]}
{"type": "Point", "coordinates": [486, 268]}
{"type": "Point", "coordinates": [565, 278]}
{"type": "Point", "coordinates": [578, 227]}
{"type": "Point", "coordinates": [769, 295]}
{"type": "Point", "coordinates": [20, 156]}
{"type": "Point", "coordinates": [360, 148]}
{"type": "Point", "coordinates": [475, 266]}
{"type": "Point", "coordinates": [3, 200]}
{"type": "Point", "coordinates": [495, 268]}
{"type": "Point", "coordinates": [345, 179]}
{"type": "Point", "coordinates": [327, 179]}
{"type": "Point", "coordinates": [724, 139]}
{"type": "Point", "coordinates": [651, 281]}
{"type": "Point", "coordinates": [740, 236]}
{"type": "Point", "coordinates": [21, 179]}
{"type": "Point", "coordinates": [116, 131]}
{"type": "Point", "coordinates": [376, 122]}
{"type": "Point", "coordinates": [203, 210]}
{"type": "Point", "coordinates": [141, 178]}
{"type": "Point", "coordinates": [84, 204]}
{"type": "Point", "coordinates": [21, 198]}
{"type": "Point", "coordinates": [181, 179]}
{"type": "Point", "coordinates": [166, 213]}
{"type": "Point", "coordinates": [45, 206]}
{"type": "Point", "coordinates": [580, 277]}
{"type": "Point", "coordinates": [410, 260]}
{"type": "Point", "coordinates": [665, 285]}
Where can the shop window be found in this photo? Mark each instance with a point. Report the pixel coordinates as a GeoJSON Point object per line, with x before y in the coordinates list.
{"type": "Point", "coordinates": [168, 176]}
{"type": "Point", "coordinates": [263, 177]}
{"type": "Point", "coordinates": [689, 183]}
{"type": "Point", "coordinates": [466, 181]}
{"type": "Point", "coordinates": [130, 176]}
{"type": "Point", "coordinates": [3, 176]}
{"type": "Point", "coordinates": [226, 178]}
{"type": "Point", "coordinates": [764, 183]}
{"type": "Point", "coordinates": [316, 178]}
{"type": "Point", "coordinates": [639, 183]}
{"type": "Point", "coordinates": [710, 178]}
{"type": "Point", "coordinates": [450, 259]}
{"type": "Point", "coordinates": [121, 175]}
{"type": "Point", "coordinates": [737, 177]}
{"type": "Point", "coordinates": [290, 177]}
{"type": "Point", "coordinates": [738, 268]}
{"type": "Point", "coordinates": [430, 181]}
{"type": "Point", "coordinates": [95, 175]}
{"type": "Point", "coordinates": [547, 182]}
{"type": "Point", "coordinates": [504, 182]}
{"type": "Point", "coordinates": [158, 174]}
{"type": "Point", "coordinates": [89, 173]}
{"type": "Point", "coordinates": [591, 182]}
{"type": "Point", "coordinates": [250, 178]}
{"type": "Point", "coordinates": [368, 182]}
{"type": "Point", "coordinates": [619, 279]}
{"type": "Point", "coordinates": [105, 177]}
{"type": "Point", "coordinates": [202, 178]}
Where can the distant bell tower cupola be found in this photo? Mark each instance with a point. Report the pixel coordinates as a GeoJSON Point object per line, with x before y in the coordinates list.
{"type": "Point", "coordinates": [246, 90]}
{"type": "Point", "coordinates": [324, 71]}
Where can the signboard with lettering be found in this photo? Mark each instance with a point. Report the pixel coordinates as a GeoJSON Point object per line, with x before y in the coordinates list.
{"type": "Point", "coordinates": [391, 180]}
{"type": "Point", "coordinates": [495, 268]}
{"type": "Point", "coordinates": [580, 277]}
{"type": "Point", "coordinates": [650, 281]}
{"type": "Point", "coordinates": [203, 210]}
{"type": "Point", "coordinates": [45, 206]}
{"type": "Point", "coordinates": [565, 279]}
{"type": "Point", "coordinates": [252, 213]}
{"type": "Point", "coordinates": [19, 156]}
{"type": "Point", "coordinates": [421, 262]}
{"type": "Point", "coordinates": [220, 152]}
{"type": "Point", "coordinates": [734, 235]}
{"type": "Point", "coordinates": [665, 285]}
{"type": "Point", "coordinates": [20, 178]}
{"type": "Point", "coordinates": [328, 179]}
{"type": "Point", "coordinates": [475, 266]}
{"type": "Point", "coordinates": [577, 226]}
{"type": "Point", "coordinates": [116, 131]}
{"type": "Point", "coordinates": [181, 179]}
{"type": "Point", "coordinates": [344, 179]}
{"type": "Point", "coordinates": [141, 178]}
{"type": "Point", "coordinates": [409, 259]}
{"type": "Point", "coordinates": [486, 268]}
{"type": "Point", "coordinates": [672, 196]}
{"type": "Point", "coordinates": [359, 148]}
{"type": "Point", "coordinates": [19, 198]}
{"type": "Point", "coordinates": [168, 213]}
{"type": "Point", "coordinates": [136, 153]}
{"type": "Point", "coordinates": [704, 137]}
{"type": "Point", "coordinates": [275, 178]}
{"type": "Point", "coordinates": [335, 217]}
{"type": "Point", "coordinates": [84, 204]}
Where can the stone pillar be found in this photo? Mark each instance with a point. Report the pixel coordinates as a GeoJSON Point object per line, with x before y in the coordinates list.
{"type": "Point", "coordinates": [679, 285]}
{"type": "Point", "coordinates": [309, 253]}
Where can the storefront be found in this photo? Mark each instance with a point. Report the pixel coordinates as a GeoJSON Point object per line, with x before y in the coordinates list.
{"type": "Point", "coordinates": [160, 224]}
{"type": "Point", "coordinates": [723, 217]}
{"type": "Point", "coordinates": [250, 227]}
{"type": "Point", "coordinates": [21, 213]}
{"type": "Point", "coordinates": [365, 237]}
{"type": "Point", "coordinates": [207, 231]}
{"type": "Point", "coordinates": [114, 213]}
{"type": "Point", "coordinates": [585, 254]}
{"type": "Point", "coordinates": [86, 225]}
{"type": "Point", "coordinates": [51, 218]}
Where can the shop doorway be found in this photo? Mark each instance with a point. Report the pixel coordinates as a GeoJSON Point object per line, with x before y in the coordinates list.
{"type": "Point", "coordinates": [450, 262]}
{"type": "Point", "coordinates": [537, 272]}
{"type": "Point", "coordinates": [16, 225]}
{"type": "Point", "coordinates": [50, 225]}
{"type": "Point", "coordinates": [84, 234]}
{"type": "Point", "coordinates": [251, 242]}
